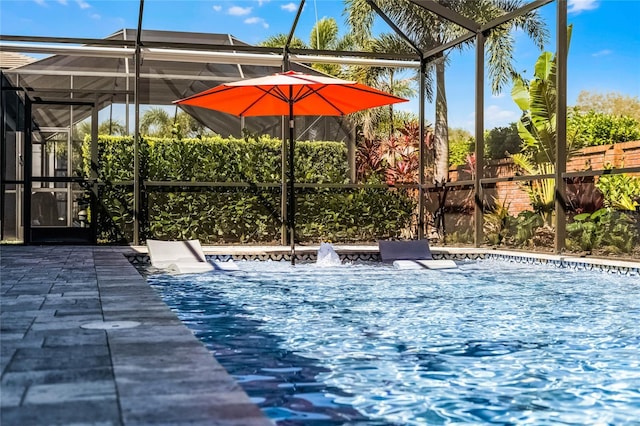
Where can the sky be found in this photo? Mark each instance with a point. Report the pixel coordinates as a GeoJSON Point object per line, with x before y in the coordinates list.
{"type": "Point", "coordinates": [604, 55]}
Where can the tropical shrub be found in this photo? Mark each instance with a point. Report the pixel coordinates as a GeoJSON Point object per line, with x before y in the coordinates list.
{"type": "Point", "coordinates": [497, 224]}
{"type": "Point", "coordinates": [620, 191]}
{"type": "Point", "coordinates": [394, 159]}
{"type": "Point", "coordinates": [355, 215]}
{"type": "Point", "coordinates": [614, 229]}
{"type": "Point", "coordinates": [607, 230]}
{"type": "Point", "coordinates": [461, 145]}
{"type": "Point", "coordinates": [596, 128]}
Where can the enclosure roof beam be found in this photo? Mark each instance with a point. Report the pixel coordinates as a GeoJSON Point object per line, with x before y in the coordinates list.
{"type": "Point", "coordinates": [395, 28]}
{"type": "Point", "coordinates": [68, 40]}
{"type": "Point", "coordinates": [123, 74]}
{"type": "Point", "coordinates": [194, 56]}
{"type": "Point", "coordinates": [312, 59]}
{"type": "Point", "coordinates": [449, 45]}
{"type": "Point", "coordinates": [514, 14]}
{"type": "Point", "coordinates": [285, 50]}
{"type": "Point", "coordinates": [31, 42]}
{"type": "Point", "coordinates": [91, 51]}
{"type": "Point", "coordinates": [448, 14]}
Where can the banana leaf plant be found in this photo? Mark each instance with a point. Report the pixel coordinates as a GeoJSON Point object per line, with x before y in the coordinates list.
{"type": "Point", "coordinates": [537, 100]}
{"type": "Point", "coordinates": [537, 129]}
{"type": "Point", "coordinates": [540, 191]}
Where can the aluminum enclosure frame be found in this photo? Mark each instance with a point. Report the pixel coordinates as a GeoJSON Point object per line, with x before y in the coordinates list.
{"type": "Point", "coordinates": [139, 49]}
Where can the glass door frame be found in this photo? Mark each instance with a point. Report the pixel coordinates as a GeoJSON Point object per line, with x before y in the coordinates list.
{"type": "Point", "coordinates": [13, 162]}
{"type": "Point", "coordinates": [58, 234]}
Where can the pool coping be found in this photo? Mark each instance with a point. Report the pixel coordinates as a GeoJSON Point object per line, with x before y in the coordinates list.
{"type": "Point", "coordinates": [138, 255]}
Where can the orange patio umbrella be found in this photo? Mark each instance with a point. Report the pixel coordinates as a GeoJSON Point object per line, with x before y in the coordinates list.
{"type": "Point", "coordinates": [291, 94]}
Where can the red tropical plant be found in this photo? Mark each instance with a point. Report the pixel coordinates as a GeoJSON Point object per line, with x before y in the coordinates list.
{"type": "Point", "coordinates": [394, 158]}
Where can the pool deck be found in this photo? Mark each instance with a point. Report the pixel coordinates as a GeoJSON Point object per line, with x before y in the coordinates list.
{"type": "Point", "coordinates": [85, 340]}
{"type": "Point", "coordinates": [55, 372]}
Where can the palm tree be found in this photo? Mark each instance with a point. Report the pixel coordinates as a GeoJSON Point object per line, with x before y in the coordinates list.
{"type": "Point", "coordinates": [156, 122]}
{"type": "Point", "coordinates": [324, 36]}
{"type": "Point", "coordinates": [186, 126]}
{"type": "Point", "coordinates": [108, 127]}
{"type": "Point", "coordinates": [390, 80]}
{"type": "Point", "coordinates": [428, 31]}
{"type": "Point", "coordinates": [279, 40]}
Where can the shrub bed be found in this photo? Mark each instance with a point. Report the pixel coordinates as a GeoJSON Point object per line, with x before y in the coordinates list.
{"type": "Point", "coordinates": [228, 190]}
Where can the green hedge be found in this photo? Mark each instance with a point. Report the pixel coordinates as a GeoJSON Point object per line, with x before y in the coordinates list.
{"type": "Point", "coordinates": [595, 128]}
{"type": "Point", "coordinates": [237, 214]}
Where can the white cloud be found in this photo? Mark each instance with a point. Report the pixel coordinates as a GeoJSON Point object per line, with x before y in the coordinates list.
{"type": "Point", "coordinates": [255, 20]}
{"type": "Point", "coordinates": [96, 16]}
{"type": "Point", "coordinates": [261, 2]}
{"type": "Point", "coordinates": [239, 11]}
{"type": "Point", "coordinates": [63, 2]}
{"type": "Point", "coordinates": [577, 6]}
{"type": "Point", "coordinates": [604, 52]}
{"type": "Point", "coordinates": [217, 8]}
{"type": "Point", "coordinates": [289, 7]}
{"type": "Point", "coordinates": [83, 4]}
{"type": "Point", "coordinates": [497, 116]}
{"type": "Point", "coordinates": [41, 2]}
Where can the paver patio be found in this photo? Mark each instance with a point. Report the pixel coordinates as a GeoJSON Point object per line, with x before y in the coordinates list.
{"type": "Point", "coordinates": [54, 371]}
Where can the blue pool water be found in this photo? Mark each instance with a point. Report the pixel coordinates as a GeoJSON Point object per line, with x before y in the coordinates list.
{"type": "Point", "coordinates": [493, 343]}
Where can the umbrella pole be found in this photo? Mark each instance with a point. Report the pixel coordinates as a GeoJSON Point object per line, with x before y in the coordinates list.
{"type": "Point", "coordinates": [292, 197]}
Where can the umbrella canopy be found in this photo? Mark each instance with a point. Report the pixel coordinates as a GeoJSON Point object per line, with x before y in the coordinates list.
{"type": "Point", "coordinates": [274, 95]}
{"type": "Point", "coordinates": [291, 94]}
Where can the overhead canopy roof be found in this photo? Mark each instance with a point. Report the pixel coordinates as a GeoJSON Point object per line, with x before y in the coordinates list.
{"type": "Point", "coordinates": [110, 80]}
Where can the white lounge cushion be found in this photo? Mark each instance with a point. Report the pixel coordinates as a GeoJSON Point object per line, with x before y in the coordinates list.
{"type": "Point", "coordinates": [183, 257]}
{"type": "Point", "coordinates": [189, 267]}
{"type": "Point", "coordinates": [425, 264]}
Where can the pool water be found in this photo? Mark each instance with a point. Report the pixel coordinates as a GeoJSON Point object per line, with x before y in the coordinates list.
{"type": "Point", "coordinates": [491, 343]}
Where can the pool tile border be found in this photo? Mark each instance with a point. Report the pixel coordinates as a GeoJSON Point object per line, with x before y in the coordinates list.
{"type": "Point", "coordinates": [140, 258]}
{"type": "Point", "coordinates": [575, 263]}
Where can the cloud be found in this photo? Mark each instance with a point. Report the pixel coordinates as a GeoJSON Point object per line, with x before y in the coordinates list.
{"type": "Point", "coordinates": [95, 16]}
{"type": "Point", "coordinates": [261, 2]}
{"type": "Point", "coordinates": [497, 116]}
{"type": "Point", "coordinates": [494, 116]}
{"type": "Point", "coordinates": [83, 4]}
{"type": "Point", "coordinates": [239, 11]}
{"type": "Point", "coordinates": [63, 2]}
{"type": "Point", "coordinates": [255, 20]}
{"type": "Point", "coordinates": [289, 7]}
{"type": "Point", "coordinates": [217, 8]}
{"type": "Point", "coordinates": [577, 6]}
{"type": "Point", "coordinates": [604, 52]}
{"type": "Point", "coordinates": [41, 2]}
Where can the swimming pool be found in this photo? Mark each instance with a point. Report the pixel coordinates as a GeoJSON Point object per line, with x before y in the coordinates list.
{"type": "Point", "coordinates": [493, 343]}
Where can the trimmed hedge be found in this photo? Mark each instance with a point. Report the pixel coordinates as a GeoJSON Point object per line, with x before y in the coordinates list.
{"type": "Point", "coordinates": [226, 214]}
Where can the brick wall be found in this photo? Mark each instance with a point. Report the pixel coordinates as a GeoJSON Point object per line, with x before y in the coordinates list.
{"type": "Point", "coordinates": [625, 154]}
